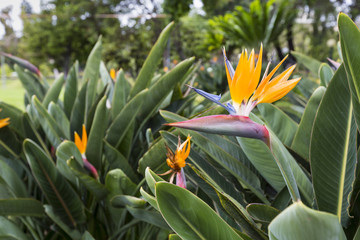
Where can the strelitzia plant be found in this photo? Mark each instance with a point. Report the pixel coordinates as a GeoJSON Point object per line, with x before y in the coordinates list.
{"type": "Point", "coordinates": [246, 91]}
{"type": "Point", "coordinates": [4, 121]}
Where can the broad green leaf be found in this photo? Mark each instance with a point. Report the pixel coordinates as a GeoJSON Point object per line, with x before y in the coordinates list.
{"type": "Point", "coordinates": [15, 116]}
{"type": "Point", "coordinates": [64, 200]}
{"type": "Point", "coordinates": [301, 143]}
{"type": "Point", "coordinates": [151, 179]}
{"type": "Point", "coordinates": [310, 63]}
{"type": "Point", "coordinates": [150, 199]}
{"type": "Point", "coordinates": [48, 124]}
{"type": "Point", "coordinates": [91, 74]}
{"type": "Point", "coordinates": [121, 93]}
{"type": "Point", "coordinates": [299, 222]}
{"type": "Point", "coordinates": [52, 95]}
{"type": "Point", "coordinates": [30, 83]}
{"type": "Point", "coordinates": [333, 148]}
{"type": "Point", "coordinates": [121, 123]}
{"type": "Point", "coordinates": [10, 230]}
{"type": "Point", "coordinates": [87, 236]}
{"type": "Point", "coordinates": [77, 118]}
{"type": "Point", "coordinates": [71, 89]}
{"type": "Point", "coordinates": [277, 165]}
{"type": "Point", "coordinates": [117, 160]}
{"type": "Point", "coordinates": [326, 73]}
{"type": "Point", "coordinates": [96, 135]}
{"type": "Point", "coordinates": [60, 117]}
{"type": "Point", "coordinates": [149, 67]}
{"type": "Point", "coordinates": [349, 36]}
{"type": "Point", "coordinates": [158, 92]}
{"type": "Point", "coordinates": [189, 216]}
{"type": "Point", "coordinates": [151, 217]}
{"type": "Point", "coordinates": [73, 233]}
{"type": "Point", "coordinates": [64, 152]}
{"type": "Point", "coordinates": [280, 123]}
{"type": "Point", "coordinates": [261, 212]}
{"type": "Point", "coordinates": [215, 149]}
{"type": "Point", "coordinates": [15, 185]}
{"type": "Point", "coordinates": [21, 207]}
{"type": "Point", "coordinates": [127, 200]}
{"type": "Point", "coordinates": [154, 157]}
{"type": "Point", "coordinates": [174, 237]}
{"type": "Point", "coordinates": [118, 183]}
{"type": "Point", "coordinates": [89, 182]}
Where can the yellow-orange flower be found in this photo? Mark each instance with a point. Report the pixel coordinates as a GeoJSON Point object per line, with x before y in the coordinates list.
{"type": "Point", "coordinates": [81, 142]}
{"type": "Point", "coordinates": [4, 122]}
{"type": "Point", "coordinates": [245, 90]}
{"type": "Point", "coordinates": [177, 160]}
{"type": "Point", "coordinates": [112, 74]}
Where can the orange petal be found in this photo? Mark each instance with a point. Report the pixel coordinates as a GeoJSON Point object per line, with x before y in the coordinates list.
{"type": "Point", "coordinates": [4, 122]}
{"type": "Point", "coordinates": [275, 93]}
{"type": "Point", "coordinates": [78, 143]}
{"type": "Point", "coordinates": [84, 137]}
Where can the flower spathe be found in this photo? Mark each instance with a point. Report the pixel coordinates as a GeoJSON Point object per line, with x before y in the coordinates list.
{"type": "Point", "coordinates": [81, 144]}
{"type": "Point", "coordinates": [176, 161]}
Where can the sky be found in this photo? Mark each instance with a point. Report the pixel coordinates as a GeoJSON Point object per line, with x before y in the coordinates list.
{"type": "Point", "coordinates": [15, 13]}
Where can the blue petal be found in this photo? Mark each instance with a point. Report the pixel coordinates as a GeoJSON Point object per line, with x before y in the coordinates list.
{"type": "Point", "coordinates": [216, 99]}
{"type": "Point", "coordinates": [228, 65]}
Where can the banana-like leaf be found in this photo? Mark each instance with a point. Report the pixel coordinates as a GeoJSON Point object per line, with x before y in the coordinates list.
{"type": "Point", "coordinates": [154, 158]}
{"type": "Point", "coordinates": [52, 95]}
{"type": "Point", "coordinates": [149, 67]}
{"type": "Point", "coordinates": [21, 207]}
{"type": "Point", "coordinates": [15, 116]}
{"type": "Point", "coordinates": [51, 128]}
{"type": "Point", "coordinates": [299, 222]}
{"type": "Point", "coordinates": [15, 185]}
{"type": "Point", "coordinates": [333, 148]}
{"type": "Point", "coordinates": [301, 143]}
{"type": "Point", "coordinates": [89, 182]}
{"type": "Point", "coordinates": [71, 89]}
{"type": "Point", "coordinates": [87, 236]}
{"type": "Point", "coordinates": [91, 74]}
{"type": "Point", "coordinates": [118, 183]}
{"type": "Point", "coordinates": [349, 36]}
{"type": "Point", "coordinates": [96, 135]}
{"type": "Point", "coordinates": [262, 213]}
{"type": "Point", "coordinates": [189, 216]}
{"type": "Point", "coordinates": [127, 200]}
{"type": "Point", "coordinates": [22, 62]}
{"type": "Point", "coordinates": [151, 179]}
{"type": "Point", "coordinates": [280, 123]}
{"type": "Point", "coordinates": [121, 123]}
{"type": "Point", "coordinates": [64, 200]}
{"type": "Point", "coordinates": [174, 237]}
{"type": "Point", "coordinates": [60, 117]}
{"type": "Point", "coordinates": [121, 93]}
{"type": "Point", "coordinates": [30, 83]}
{"type": "Point", "coordinates": [326, 73]}
{"type": "Point", "coordinates": [149, 198]}
{"type": "Point", "coordinates": [11, 230]}
{"type": "Point", "coordinates": [77, 118]}
{"type": "Point", "coordinates": [150, 217]}
{"type": "Point", "coordinates": [310, 63]}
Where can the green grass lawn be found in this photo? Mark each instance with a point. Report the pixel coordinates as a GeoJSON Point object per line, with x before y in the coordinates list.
{"type": "Point", "coordinates": [12, 93]}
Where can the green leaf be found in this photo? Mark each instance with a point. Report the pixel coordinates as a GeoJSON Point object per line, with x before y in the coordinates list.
{"type": "Point", "coordinates": [326, 73]}
{"type": "Point", "coordinates": [71, 89]}
{"type": "Point", "coordinates": [127, 200]}
{"type": "Point", "coordinates": [48, 124]}
{"type": "Point", "coordinates": [150, 199]}
{"type": "Point", "coordinates": [189, 216]}
{"type": "Point", "coordinates": [151, 179]}
{"type": "Point", "coordinates": [30, 83]}
{"type": "Point", "coordinates": [150, 65]}
{"type": "Point", "coordinates": [21, 207]}
{"type": "Point", "coordinates": [174, 237]}
{"type": "Point", "coordinates": [96, 135]}
{"type": "Point", "coordinates": [64, 200]}
{"type": "Point", "coordinates": [15, 116]}
{"type": "Point", "coordinates": [158, 91]}
{"type": "Point", "coordinates": [73, 233]}
{"type": "Point", "coordinates": [299, 222]}
{"type": "Point", "coordinates": [333, 148]}
{"type": "Point", "coordinates": [117, 160]}
{"type": "Point", "coordinates": [280, 123]}
{"type": "Point", "coordinates": [153, 157]}
{"type": "Point", "coordinates": [90, 183]}
{"type": "Point", "coordinates": [121, 123]}
{"type": "Point", "coordinates": [52, 94]}
{"type": "Point", "coordinates": [261, 212]}
{"type": "Point", "coordinates": [87, 236]}
{"type": "Point", "coordinates": [301, 143]}
{"type": "Point", "coordinates": [117, 182]}
{"type": "Point", "coordinates": [310, 63]}
{"type": "Point", "coordinates": [77, 118]}
{"type": "Point", "coordinates": [60, 117]}
{"type": "Point", "coordinates": [150, 217]}
{"type": "Point", "coordinates": [15, 185]}
{"type": "Point", "coordinates": [91, 74]}
{"type": "Point", "coordinates": [11, 230]}
{"type": "Point", "coordinates": [121, 93]}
